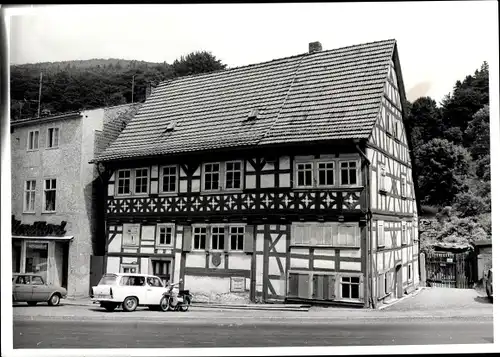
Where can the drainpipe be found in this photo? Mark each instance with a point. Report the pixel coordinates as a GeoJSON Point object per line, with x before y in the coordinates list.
{"type": "Point", "coordinates": [368, 224]}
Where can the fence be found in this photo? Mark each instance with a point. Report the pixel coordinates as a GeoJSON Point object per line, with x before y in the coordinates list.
{"type": "Point", "coordinates": [450, 270]}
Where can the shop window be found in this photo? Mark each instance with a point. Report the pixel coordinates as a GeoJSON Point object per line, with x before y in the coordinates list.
{"type": "Point", "coordinates": [161, 269]}
{"type": "Point", "coordinates": [37, 258]}
{"type": "Point", "coordinates": [350, 287]}
{"type": "Point", "coordinates": [326, 234]}
{"type": "Point", "coordinates": [17, 248]}
{"type": "Point", "coordinates": [49, 195]}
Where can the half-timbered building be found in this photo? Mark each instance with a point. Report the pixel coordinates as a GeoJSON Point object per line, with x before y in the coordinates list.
{"type": "Point", "coordinates": [284, 180]}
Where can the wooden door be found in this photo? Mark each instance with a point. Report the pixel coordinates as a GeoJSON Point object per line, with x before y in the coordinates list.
{"type": "Point", "coordinates": [399, 282]}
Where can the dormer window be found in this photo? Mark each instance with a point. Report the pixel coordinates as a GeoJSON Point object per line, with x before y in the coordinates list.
{"type": "Point", "coordinates": [254, 113]}
{"type": "Point", "coordinates": [170, 127]}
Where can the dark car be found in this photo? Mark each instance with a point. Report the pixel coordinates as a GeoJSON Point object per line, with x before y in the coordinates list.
{"type": "Point", "coordinates": [31, 288]}
{"type": "Point", "coordinates": [489, 284]}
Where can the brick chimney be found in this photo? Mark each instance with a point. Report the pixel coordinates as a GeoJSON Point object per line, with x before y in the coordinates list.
{"type": "Point", "coordinates": [315, 47]}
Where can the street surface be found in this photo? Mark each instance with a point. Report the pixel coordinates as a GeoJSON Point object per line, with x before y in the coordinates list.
{"type": "Point", "coordinates": [462, 321]}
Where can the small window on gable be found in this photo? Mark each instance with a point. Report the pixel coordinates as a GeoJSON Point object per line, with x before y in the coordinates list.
{"type": "Point", "coordinates": [253, 114]}
{"type": "Point", "coordinates": [170, 126]}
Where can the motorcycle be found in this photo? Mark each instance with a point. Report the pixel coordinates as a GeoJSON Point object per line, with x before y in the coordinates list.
{"type": "Point", "coordinates": [174, 300]}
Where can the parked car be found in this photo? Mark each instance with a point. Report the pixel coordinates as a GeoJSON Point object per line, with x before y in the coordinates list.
{"type": "Point", "coordinates": [129, 291]}
{"type": "Point", "coordinates": [32, 288]}
{"type": "Point", "coordinates": [489, 284]}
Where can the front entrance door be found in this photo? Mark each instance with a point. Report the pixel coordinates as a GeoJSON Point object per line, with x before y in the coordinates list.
{"type": "Point", "coordinates": [399, 282]}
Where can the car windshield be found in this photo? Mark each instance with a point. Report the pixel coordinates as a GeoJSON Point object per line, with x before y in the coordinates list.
{"type": "Point", "coordinates": [108, 279]}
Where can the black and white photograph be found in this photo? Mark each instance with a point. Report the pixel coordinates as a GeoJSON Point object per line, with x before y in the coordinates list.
{"type": "Point", "coordinates": [249, 178]}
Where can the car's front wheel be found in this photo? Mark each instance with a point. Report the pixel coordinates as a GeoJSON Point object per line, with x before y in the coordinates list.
{"type": "Point", "coordinates": [130, 304]}
{"type": "Point", "coordinates": [32, 303]}
{"type": "Point", "coordinates": [54, 300]}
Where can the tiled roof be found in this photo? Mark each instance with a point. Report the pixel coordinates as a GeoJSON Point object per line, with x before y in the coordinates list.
{"type": "Point", "coordinates": [324, 95]}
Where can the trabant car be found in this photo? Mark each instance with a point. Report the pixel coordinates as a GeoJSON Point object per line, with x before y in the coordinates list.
{"type": "Point", "coordinates": [32, 288]}
{"type": "Point", "coordinates": [128, 291]}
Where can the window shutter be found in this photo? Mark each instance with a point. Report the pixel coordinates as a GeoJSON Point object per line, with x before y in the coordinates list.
{"type": "Point", "coordinates": [380, 234]}
{"type": "Point", "coordinates": [331, 287]}
{"type": "Point", "coordinates": [186, 239]}
{"type": "Point", "coordinates": [248, 240]}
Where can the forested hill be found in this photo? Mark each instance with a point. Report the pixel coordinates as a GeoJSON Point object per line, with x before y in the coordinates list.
{"type": "Point", "coordinates": [94, 83]}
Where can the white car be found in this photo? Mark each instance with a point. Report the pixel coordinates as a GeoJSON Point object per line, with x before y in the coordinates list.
{"type": "Point", "coordinates": [129, 291]}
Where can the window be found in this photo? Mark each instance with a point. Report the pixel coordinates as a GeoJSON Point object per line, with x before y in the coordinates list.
{"type": "Point", "coordinates": [24, 280]}
{"type": "Point", "coordinates": [237, 236]}
{"type": "Point", "coordinates": [211, 177]}
{"type": "Point", "coordinates": [33, 140]}
{"type": "Point", "coordinates": [133, 280]}
{"type": "Point", "coordinates": [326, 234]}
{"type": "Point", "coordinates": [326, 173]}
{"type": "Point", "coordinates": [29, 196]}
{"type": "Point", "coordinates": [380, 233]}
{"type": "Point", "coordinates": [395, 127]}
{"type": "Point", "coordinates": [304, 174]}
{"type": "Point", "coordinates": [233, 175]}
{"type": "Point", "coordinates": [409, 272]}
{"type": "Point", "coordinates": [382, 178]}
{"type": "Point", "coordinates": [141, 181]}
{"type": "Point", "coordinates": [126, 177]}
{"type": "Point", "coordinates": [387, 283]}
{"type": "Point", "coordinates": [348, 173]}
{"type": "Point", "coordinates": [169, 179]}
{"type": "Point", "coordinates": [218, 238]}
{"type": "Point", "coordinates": [404, 237]}
{"type": "Point", "coordinates": [53, 137]}
{"type": "Point", "coordinates": [130, 268]}
{"type": "Point", "coordinates": [154, 282]}
{"type": "Point", "coordinates": [199, 238]}
{"type": "Point", "coordinates": [165, 234]}
{"type": "Point", "coordinates": [49, 194]}
{"type": "Point", "coordinates": [161, 268]}
{"type": "Point", "coordinates": [124, 182]}
{"type": "Point", "coordinates": [350, 287]}
{"type": "Point", "coordinates": [36, 280]}
{"type": "Point", "coordinates": [403, 186]}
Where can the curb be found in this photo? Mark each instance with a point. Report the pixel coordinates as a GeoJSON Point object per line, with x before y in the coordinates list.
{"type": "Point", "coordinates": [413, 294]}
{"type": "Point", "coordinates": [258, 308]}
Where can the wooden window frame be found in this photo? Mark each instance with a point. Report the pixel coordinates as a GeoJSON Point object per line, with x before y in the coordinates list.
{"type": "Point", "coordinates": [304, 162]}
{"type": "Point", "coordinates": [31, 192]}
{"type": "Point", "coordinates": [162, 178]}
{"type": "Point", "coordinates": [382, 178]}
{"type": "Point", "coordinates": [130, 180]}
{"type": "Point", "coordinates": [225, 172]}
{"type": "Point", "coordinates": [230, 235]}
{"type": "Point", "coordinates": [135, 181]}
{"type": "Point", "coordinates": [335, 240]}
{"type": "Point", "coordinates": [44, 210]}
{"type": "Point", "coordinates": [29, 141]}
{"type": "Point", "coordinates": [409, 270]}
{"type": "Point", "coordinates": [124, 266]}
{"type": "Point", "coordinates": [317, 169]}
{"type": "Point", "coordinates": [359, 284]}
{"type": "Point", "coordinates": [49, 139]}
{"type": "Point", "coordinates": [162, 260]}
{"type": "Point", "coordinates": [210, 237]}
{"type": "Point", "coordinates": [207, 237]}
{"type": "Point", "coordinates": [358, 172]}
{"type": "Point", "coordinates": [203, 177]}
{"type": "Point", "coordinates": [158, 235]}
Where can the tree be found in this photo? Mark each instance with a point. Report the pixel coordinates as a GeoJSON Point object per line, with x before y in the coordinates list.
{"type": "Point", "coordinates": [441, 170]}
{"type": "Point", "coordinates": [478, 133]}
{"type": "Point", "coordinates": [197, 62]}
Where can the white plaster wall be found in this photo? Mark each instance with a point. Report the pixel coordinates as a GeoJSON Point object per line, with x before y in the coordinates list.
{"type": "Point", "coordinates": [207, 284]}
{"type": "Point", "coordinates": [195, 260]}
{"type": "Point", "coordinates": [113, 265]}
{"type": "Point", "coordinates": [239, 261]}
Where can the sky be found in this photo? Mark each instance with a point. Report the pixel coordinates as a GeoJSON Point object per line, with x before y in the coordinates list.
{"type": "Point", "coordinates": [438, 42]}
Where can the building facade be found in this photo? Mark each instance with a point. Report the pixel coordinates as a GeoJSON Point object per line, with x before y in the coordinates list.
{"type": "Point", "coordinates": [55, 191]}
{"type": "Point", "coordinates": [284, 180]}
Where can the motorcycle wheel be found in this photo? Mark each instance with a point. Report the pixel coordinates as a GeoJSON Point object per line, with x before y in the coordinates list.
{"type": "Point", "coordinates": [165, 304]}
{"type": "Point", "coordinates": [185, 306]}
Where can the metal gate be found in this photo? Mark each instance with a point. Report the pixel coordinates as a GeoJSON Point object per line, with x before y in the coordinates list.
{"type": "Point", "coordinates": [450, 270]}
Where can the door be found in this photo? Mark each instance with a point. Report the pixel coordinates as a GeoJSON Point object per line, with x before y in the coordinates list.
{"type": "Point", "coordinates": [399, 282]}
{"type": "Point", "coordinates": [22, 288]}
{"type": "Point", "coordinates": [40, 290]}
{"type": "Point", "coordinates": [154, 291]}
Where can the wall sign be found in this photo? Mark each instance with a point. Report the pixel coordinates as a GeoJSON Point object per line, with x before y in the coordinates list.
{"type": "Point", "coordinates": [237, 284]}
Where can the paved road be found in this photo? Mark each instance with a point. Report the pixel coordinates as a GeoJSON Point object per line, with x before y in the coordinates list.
{"type": "Point", "coordinates": [247, 333]}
